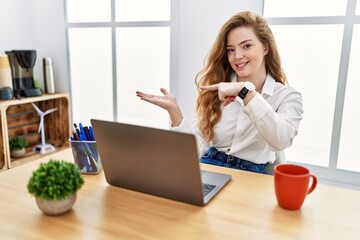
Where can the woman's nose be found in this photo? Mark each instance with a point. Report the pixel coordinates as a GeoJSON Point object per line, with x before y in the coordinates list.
{"type": "Point", "coordinates": [239, 54]}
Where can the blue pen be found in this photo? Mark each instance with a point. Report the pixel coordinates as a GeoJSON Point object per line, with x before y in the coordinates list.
{"type": "Point", "coordinates": [91, 134]}
{"type": "Point", "coordinates": [92, 159]}
{"type": "Point", "coordinates": [83, 157]}
{"type": "Point", "coordinates": [82, 132]}
{"type": "Point", "coordinates": [87, 133]}
{"type": "Point", "coordinates": [83, 138]}
{"type": "Point", "coordinates": [90, 137]}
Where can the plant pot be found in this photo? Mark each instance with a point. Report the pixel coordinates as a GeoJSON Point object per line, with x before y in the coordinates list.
{"type": "Point", "coordinates": [59, 207]}
{"type": "Point", "coordinates": [17, 153]}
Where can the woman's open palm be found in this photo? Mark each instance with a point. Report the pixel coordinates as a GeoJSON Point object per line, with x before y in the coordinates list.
{"type": "Point", "coordinates": [167, 102]}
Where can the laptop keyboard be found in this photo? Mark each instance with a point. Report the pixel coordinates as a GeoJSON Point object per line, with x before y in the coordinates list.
{"type": "Point", "coordinates": [207, 188]}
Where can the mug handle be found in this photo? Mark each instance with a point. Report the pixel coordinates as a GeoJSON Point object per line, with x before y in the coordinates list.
{"type": "Point", "coordinates": [313, 184]}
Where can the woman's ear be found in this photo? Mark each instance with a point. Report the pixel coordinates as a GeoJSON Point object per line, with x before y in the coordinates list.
{"type": "Point", "coordinates": [266, 50]}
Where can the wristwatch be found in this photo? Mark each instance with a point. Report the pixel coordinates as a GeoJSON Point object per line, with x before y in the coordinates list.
{"type": "Point", "coordinates": [248, 86]}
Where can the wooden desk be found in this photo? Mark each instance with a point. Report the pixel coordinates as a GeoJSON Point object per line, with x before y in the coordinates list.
{"type": "Point", "coordinates": [245, 209]}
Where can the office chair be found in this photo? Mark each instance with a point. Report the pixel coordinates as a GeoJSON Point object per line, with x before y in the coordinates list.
{"type": "Point", "coordinates": [279, 159]}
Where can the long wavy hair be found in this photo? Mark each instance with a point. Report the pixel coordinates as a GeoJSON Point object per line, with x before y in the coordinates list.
{"type": "Point", "coordinates": [217, 68]}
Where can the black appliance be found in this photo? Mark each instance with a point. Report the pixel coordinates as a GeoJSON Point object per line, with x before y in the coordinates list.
{"type": "Point", "coordinates": [22, 63]}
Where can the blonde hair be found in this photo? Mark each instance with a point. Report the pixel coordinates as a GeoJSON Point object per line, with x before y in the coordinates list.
{"type": "Point", "coordinates": [217, 68]}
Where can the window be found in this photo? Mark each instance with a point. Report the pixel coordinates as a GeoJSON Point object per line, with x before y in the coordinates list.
{"type": "Point", "coordinates": [349, 140]}
{"type": "Point", "coordinates": [320, 50]}
{"type": "Point", "coordinates": [304, 8]}
{"type": "Point", "coordinates": [116, 48]}
{"type": "Point", "coordinates": [142, 65]}
{"type": "Point", "coordinates": [91, 73]}
{"type": "Point", "coordinates": [312, 69]}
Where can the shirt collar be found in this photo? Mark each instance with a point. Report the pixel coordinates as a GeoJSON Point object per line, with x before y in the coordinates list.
{"type": "Point", "coordinates": [268, 87]}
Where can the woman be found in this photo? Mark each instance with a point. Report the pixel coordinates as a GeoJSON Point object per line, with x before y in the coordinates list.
{"type": "Point", "coordinates": [245, 112]}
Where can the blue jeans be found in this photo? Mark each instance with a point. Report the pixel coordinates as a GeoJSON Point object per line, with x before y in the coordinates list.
{"type": "Point", "coordinates": [215, 157]}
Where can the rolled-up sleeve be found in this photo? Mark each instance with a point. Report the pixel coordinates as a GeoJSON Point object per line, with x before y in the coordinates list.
{"type": "Point", "coordinates": [277, 118]}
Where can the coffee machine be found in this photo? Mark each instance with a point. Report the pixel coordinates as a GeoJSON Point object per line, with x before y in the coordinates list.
{"type": "Point", "coordinates": [22, 63]}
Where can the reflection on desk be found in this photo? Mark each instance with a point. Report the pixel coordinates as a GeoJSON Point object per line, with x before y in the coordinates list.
{"type": "Point", "coordinates": [245, 209]}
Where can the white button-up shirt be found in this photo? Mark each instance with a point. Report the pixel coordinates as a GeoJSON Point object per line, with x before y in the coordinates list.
{"type": "Point", "coordinates": [268, 123]}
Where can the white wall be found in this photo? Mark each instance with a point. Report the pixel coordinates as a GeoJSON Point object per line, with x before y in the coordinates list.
{"type": "Point", "coordinates": [198, 24]}
{"type": "Point", "coordinates": [40, 25]}
{"type": "Point", "coordinates": [50, 39]}
{"type": "Point", "coordinates": [15, 25]}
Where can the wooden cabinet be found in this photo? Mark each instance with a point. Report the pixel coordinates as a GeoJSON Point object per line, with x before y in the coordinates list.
{"type": "Point", "coordinates": [19, 118]}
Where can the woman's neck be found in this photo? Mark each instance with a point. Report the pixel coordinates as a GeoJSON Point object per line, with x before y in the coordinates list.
{"type": "Point", "coordinates": [257, 79]}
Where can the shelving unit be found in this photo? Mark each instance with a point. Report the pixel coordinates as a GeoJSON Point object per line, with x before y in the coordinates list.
{"type": "Point", "coordinates": [19, 118]}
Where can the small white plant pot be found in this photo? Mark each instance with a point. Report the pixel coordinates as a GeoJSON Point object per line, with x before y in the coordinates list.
{"type": "Point", "coordinates": [17, 153]}
{"type": "Point", "coordinates": [51, 207]}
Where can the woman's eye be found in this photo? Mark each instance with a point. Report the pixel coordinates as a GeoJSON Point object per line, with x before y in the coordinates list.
{"type": "Point", "coordinates": [247, 46]}
{"type": "Point", "coordinates": [230, 50]}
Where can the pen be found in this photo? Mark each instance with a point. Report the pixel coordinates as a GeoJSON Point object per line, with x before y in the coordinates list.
{"type": "Point", "coordinates": [87, 133]}
{"type": "Point", "coordinates": [82, 132]}
{"type": "Point", "coordinates": [77, 131]}
{"type": "Point", "coordinates": [85, 159]}
{"type": "Point", "coordinates": [74, 135]}
{"type": "Point", "coordinates": [85, 148]}
{"type": "Point", "coordinates": [92, 159]}
{"type": "Point", "coordinates": [91, 134]}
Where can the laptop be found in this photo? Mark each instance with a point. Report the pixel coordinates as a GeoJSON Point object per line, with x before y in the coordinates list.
{"type": "Point", "coordinates": [155, 161]}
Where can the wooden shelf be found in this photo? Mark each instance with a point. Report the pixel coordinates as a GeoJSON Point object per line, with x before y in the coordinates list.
{"type": "Point", "coordinates": [19, 118]}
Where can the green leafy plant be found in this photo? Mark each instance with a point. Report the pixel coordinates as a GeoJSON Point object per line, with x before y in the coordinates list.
{"type": "Point", "coordinates": [17, 143]}
{"type": "Point", "coordinates": [55, 180]}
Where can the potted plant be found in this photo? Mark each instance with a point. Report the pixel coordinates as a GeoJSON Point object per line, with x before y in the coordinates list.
{"type": "Point", "coordinates": [17, 146]}
{"type": "Point", "coordinates": [54, 185]}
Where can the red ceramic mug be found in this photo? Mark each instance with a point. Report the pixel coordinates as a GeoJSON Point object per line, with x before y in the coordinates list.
{"type": "Point", "coordinates": [292, 185]}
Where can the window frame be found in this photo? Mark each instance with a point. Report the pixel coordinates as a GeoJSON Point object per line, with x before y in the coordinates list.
{"type": "Point", "coordinates": [172, 24]}
{"type": "Point", "coordinates": [331, 174]}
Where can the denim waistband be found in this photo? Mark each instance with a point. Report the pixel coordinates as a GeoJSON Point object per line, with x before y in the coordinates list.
{"type": "Point", "coordinates": [216, 157]}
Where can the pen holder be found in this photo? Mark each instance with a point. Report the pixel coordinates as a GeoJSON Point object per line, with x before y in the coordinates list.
{"type": "Point", "coordinates": [86, 156]}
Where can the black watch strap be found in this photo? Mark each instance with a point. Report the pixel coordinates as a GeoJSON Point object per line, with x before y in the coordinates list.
{"type": "Point", "coordinates": [243, 92]}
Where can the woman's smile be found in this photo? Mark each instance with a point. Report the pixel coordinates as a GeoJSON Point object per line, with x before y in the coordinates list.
{"type": "Point", "coordinates": [241, 65]}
